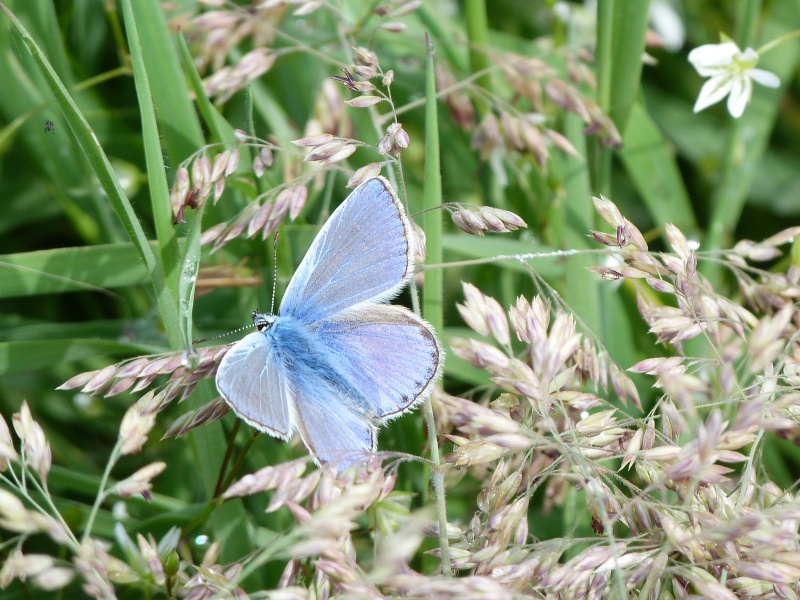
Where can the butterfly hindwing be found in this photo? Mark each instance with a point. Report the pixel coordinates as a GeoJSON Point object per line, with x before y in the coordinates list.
{"type": "Point", "coordinates": [252, 379]}
{"type": "Point", "coordinates": [329, 425]}
{"type": "Point", "coordinates": [386, 352]}
{"type": "Point", "coordinates": [360, 254]}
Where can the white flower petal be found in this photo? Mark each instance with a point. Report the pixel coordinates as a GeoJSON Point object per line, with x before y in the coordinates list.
{"type": "Point", "coordinates": [749, 55]}
{"type": "Point", "coordinates": [710, 58]}
{"type": "Point", "coordinates": [713, 90]}
{"type": "Point", "coordinates": [741, 89]}
{"type": "Point", "coordinates": [765, 78]}
{"type": "Point", "coordinates": [667, 23]}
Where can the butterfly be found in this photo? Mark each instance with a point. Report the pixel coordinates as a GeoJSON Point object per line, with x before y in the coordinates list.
{"type": "Point", "coordinates": [336, 362]}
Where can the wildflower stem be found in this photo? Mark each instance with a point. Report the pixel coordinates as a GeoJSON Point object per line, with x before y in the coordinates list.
{"type": "Point", "coordinates": [12, 481]}
{"type": "Point", "coordinates": [112, 460]}
{"type": "Point", "coordinates": [45, 492]}
{"type": "Point", "coordinates": [220, 487]}
{"type": "Point", "coordinates": [727, 202]}
{"type": "Point", "coordinates": [778, 41]}
{"type": "Point", "coordinates": [54, 512]}
{"type": "Point", "coordinates": [437, 477]}
{"type": "Point", "coordinates": [237, 466]}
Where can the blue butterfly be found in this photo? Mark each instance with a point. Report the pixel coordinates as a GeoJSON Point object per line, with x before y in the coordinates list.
{"type": "Point", "coordinates": [335, 363]}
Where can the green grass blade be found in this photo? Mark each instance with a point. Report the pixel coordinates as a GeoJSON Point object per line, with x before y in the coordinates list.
{"type": "Point", "coordinates": [433, 304]}
{"type": "Point", "coordinates": [159, 190]}
{"type": "Point", "coordinates": [621, 29]}
{"type": "Point", "coordinates": [477, 26]}
{"type": "Point", "coordinates": [651, 165]}
{"type": "Point", "coordinates": [59, 270]}
{"type": "Point", "coordinates": [433, 299]}
{"type": "Point", "coordinates": [103, 169]}
{"type": "Point", "coordinates": [178, 125]}
{"type": "Point", "coordinates": [179, 128]}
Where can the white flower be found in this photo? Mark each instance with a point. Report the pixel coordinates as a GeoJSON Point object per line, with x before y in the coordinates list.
{"type": "Point", "coordinates": [732, 73]}
{"type": "Point", "coordinates": [665, 18]}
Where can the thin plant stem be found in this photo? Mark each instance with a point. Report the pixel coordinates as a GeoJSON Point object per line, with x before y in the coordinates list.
{"type": "Point", "coordinates": [437, 477]}
{"type": "Point", "coordinates": [54, 512]}
{"type": "Point", "coordinates": [777, 42]}
{"type": "Point", "coordinates": [101, 494]}
{"type": "Point", "coordinates": [226, 459]}
{"type": "Point", "coordinates": [238, 464]}
{"type": "Point", "coordinates": [434, 283]}
{"type": "Point", "coordinates": [475, 18]}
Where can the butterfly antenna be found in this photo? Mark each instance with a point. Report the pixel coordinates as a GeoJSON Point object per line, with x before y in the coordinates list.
{"type": "Point", "coordinates": [275, 273]}
{"type": "Point", "coordinates": [221, 335]}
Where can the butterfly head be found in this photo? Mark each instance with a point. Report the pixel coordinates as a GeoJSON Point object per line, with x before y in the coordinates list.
{"type": "Point", "coordinates": [262, 321]}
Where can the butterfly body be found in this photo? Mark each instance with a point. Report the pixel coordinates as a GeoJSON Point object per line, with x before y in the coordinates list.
{"type": "Point", "coordinates": [336, 362]}
{"type": "Point", "coordinates": [306, 358]}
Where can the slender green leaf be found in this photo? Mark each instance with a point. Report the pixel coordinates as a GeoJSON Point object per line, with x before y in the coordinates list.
{"type": "Point", "coordinates": [651, 165]}
{"type": "Point", "coordinates": [17, 357]}
{"type": "Point", "coordinates": [104, 171]}
{"type": "Point", "coordinates": [178, 125]}
{"type": "Point", "coordinates": [621, 31]}
{"type": "Point", "coordinates": [159, 190]}
{"type": "Point", "coordinates": [86, 268]}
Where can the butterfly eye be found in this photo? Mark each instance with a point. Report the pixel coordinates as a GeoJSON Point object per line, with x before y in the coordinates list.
{"type": "Point", "coordinates": [262, 321]}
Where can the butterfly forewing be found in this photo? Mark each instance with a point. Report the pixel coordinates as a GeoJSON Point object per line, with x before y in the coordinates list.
{"type": "Point", "coordinates": [360, 254]}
